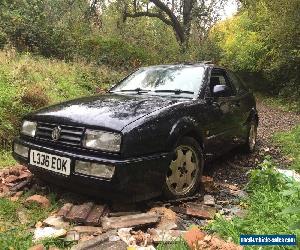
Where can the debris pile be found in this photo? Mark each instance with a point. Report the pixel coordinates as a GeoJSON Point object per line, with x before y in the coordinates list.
{"type": "Point", "coordinates": [116, 226]}
{"type": "Point", "coordinates": [13, 180]}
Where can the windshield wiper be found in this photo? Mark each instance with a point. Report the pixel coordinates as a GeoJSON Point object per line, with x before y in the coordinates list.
{"type": "Point", "coordinates": [139, 90]}
{"type": "Point", "coordinates": [175, 91]}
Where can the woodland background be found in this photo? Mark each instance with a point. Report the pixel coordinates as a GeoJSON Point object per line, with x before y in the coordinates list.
{"type": "Point", "coordinates": [52, 50]}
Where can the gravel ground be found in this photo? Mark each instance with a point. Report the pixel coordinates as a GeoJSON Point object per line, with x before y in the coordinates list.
{"type": "Point", "coordinates": [232, 168]}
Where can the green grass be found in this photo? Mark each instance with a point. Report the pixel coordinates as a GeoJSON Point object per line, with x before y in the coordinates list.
{"type": "Point", "coordinates": [289, 142]}
{"type": "Point", "coordinates": [270, 196]}
{"type": "Point", "coordinates": [177, 245]}
{"type": "Point", "coordinates": [6, 159]}
{"type": "Point", "coordinates": [17, 223]}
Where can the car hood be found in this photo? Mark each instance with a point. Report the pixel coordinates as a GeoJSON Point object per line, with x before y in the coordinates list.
{"type": "Point", "coordinates": [111, 111]}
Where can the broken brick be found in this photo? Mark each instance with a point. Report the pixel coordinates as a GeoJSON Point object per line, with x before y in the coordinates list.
{"type": "Point", "coordinates": [24, 175]}
{"type": "Point", "coordinates": [209, 200]}
{"type": "Point", "coordinates": [79, 213]}
{"type": "Point", "coordinates": [95, 215]}
{"type": "Point", "coordinates": [129, 221]}
{"type": "Point", "coordinates": [192, 236]}
{"type": "Point", "coordinates": [11, 179]}
{"type": "Point", "coordinates": [39, 199]}
{"type": "Point", "coordinates": [201, 211]}
{"type": "Point", "coordinates": [65, 209]}
{"type": "Point", "coordinates": [56, 221]}
{"type": "Point", "coordinates": [208, 183]}
{"type": "Point", "coordinates": [87, 230]}
{"type": "Point", "coordinates": [15, 170]}
{"type": "Point", "coordinates": [20, 185]}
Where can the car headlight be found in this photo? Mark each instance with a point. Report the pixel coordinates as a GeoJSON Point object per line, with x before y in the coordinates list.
{"type": "Point", "coordinates": [102, 140]}
{"type": "Point", "coordinates": [29, 128]}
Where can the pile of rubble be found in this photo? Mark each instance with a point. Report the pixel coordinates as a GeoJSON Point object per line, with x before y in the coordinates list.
{"type": "Point", "coordinates": [13, 181]}
{"type": "Point", "coordinates": [92, 225]}
{"type": "Point", "coordinates": [100, 226]}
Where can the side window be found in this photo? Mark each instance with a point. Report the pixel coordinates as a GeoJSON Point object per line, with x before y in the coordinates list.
{"type": "Point", "coordinates": [240, 88]}
{"type": "Point", "coordinates": [219, 77]}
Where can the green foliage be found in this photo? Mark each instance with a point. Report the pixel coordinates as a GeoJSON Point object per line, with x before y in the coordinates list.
{"type": "Point", "coordinates": [113, 51]}
{"type": "Point", "coordinates": [241, 45]}
{"type": "Point", "coordinates": [265, 207]}
{"type": "Point", "coordinates": [69, 30]}
{"type": "Point", "coordinates": [17, 239]}
{"type": "Point", "coordinates": [289, 142]}
{"type": "Point", "coordinates": [28, 83]}
{"type": "Point", "coordinates": [6, 159]}
{"type": "Point", "coordinates": [264, 38]}
{"type": "Point", "coordinates": [176, 245]}
{"type": "Point", "coordinates": [49, 27]}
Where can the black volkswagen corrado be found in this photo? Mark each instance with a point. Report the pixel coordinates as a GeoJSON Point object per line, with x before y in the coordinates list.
{"type": "Point", "coordinates": [149, 135]}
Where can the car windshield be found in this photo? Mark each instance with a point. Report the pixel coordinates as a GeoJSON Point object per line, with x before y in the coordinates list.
{"type": "Point", "coordinates": [164, 80]}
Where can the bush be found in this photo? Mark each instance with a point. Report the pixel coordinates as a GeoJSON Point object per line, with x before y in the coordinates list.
{"type": "Point", "coordinates": [34, 97]}
{"type": "Point", "coordinates": [3, 39]}
{"type": "Point", "coordinates": [113, 51]}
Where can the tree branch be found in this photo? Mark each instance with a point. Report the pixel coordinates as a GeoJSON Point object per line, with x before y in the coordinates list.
{"type": "Point", "coordinates": [175, 23]}
{"type": "Point", "coordinates": [149, 14]}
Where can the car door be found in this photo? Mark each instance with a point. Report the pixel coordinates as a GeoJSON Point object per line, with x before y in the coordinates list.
{"type": "Point", "coordinates": [224, 122]}
{"type": "Point", "coordinates": [244, 98]}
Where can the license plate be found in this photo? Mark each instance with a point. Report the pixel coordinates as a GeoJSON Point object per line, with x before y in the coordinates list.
{"type": "Point", "coordinates": [50, 162]}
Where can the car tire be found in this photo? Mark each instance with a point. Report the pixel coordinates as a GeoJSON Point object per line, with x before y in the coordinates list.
{"type": "Point", "coordinates": [185, 170]}
{"type": "Point", "coordinates": [251, 139]}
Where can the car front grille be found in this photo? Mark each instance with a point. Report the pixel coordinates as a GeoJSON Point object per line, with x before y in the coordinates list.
{"type": "Point", "coordinates": [68, 135]}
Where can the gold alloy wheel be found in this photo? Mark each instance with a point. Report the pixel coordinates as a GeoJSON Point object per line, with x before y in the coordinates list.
{"type": "Point", "coordinates": [183, 171]}
{"type": "Point", "coordinates": [252, 136]}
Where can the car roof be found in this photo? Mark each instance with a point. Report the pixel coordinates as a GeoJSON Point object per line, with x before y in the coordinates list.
{"type": "Point", "coordinates": [206, 64]}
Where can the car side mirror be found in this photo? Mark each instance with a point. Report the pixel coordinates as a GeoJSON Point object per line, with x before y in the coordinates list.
{"type": "Point", "coordinates": [221, 90]}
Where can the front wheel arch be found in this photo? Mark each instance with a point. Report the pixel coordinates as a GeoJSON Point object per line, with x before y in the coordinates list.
{"type": "Point", "coordinates": [185, 127]}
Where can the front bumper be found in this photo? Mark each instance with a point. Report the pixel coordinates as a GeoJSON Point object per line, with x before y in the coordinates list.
{"type": "Point", "coordinates": [135, 179]}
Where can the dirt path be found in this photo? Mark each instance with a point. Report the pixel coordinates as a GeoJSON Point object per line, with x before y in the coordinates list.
{"type": "Point", "coordinates": [233, 167]}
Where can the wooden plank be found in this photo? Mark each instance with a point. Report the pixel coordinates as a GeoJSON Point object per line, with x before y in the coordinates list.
{"type": "Point", "coordinates": [129, 221]}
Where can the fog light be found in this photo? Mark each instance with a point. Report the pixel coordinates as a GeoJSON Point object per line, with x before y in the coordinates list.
{"type": "Point", "coordinates": [21, 150]}
{"type": "Point", "coordinates": [94, 169]}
